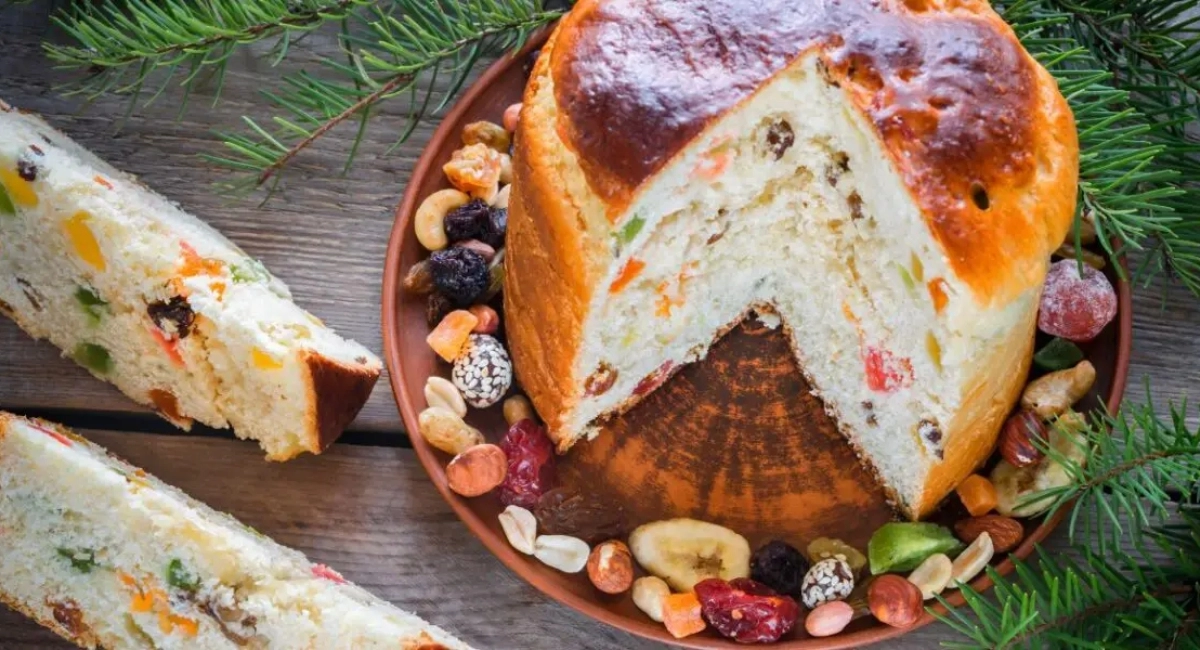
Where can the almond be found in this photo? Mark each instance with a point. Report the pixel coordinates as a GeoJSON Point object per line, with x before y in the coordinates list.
{"type": "Point", "coordinates": [1016, 439]}
{"type": "Point", "coordinates": [478, 470]}
{"type": "Point", "coordinates": [1006, 532]}
{"type": "Point", "coordinates": [610, 567]}
{"type": "Point", "coordinates": [895, 601]}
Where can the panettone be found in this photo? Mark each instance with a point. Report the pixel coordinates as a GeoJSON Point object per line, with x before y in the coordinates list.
{"type": "Point", "coordinates": [889, 177]}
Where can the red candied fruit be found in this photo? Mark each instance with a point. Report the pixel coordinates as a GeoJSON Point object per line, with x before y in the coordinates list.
{"type": "Point", "coordinates": [746, 611]}
{"type": "Point", "coordinates": [653, 380]}
{"type": "Point", "coordinates": [885, 371]}
{"type": "Point", "coordinates": [530, 465]}
{"type": "Point", "coordinates": [1076, 307]}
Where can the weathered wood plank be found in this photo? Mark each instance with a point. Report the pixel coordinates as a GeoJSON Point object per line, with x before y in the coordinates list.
{"type": "Point", "coordinates": [372, 514]}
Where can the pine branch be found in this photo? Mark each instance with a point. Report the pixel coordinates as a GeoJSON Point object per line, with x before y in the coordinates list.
{"type": "Point", "coordinates": [123, 44]}
{"type": "Point", "coordinates": [401, 47]}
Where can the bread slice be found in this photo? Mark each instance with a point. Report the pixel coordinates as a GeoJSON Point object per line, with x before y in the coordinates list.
{"type": "Point", "coordinates": [889, 178]}
{"type": "Point", "coordinates": [153, 300]}
{"type": "Point", "coordinates": [109, 556]}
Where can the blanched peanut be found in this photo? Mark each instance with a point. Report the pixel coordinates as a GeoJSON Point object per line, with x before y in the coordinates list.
{"type": "Point", "coordinates": [506, 170]}
{"type": "Point", "coordinates": [502, 197]}
{"type": "Point", "coordinates": [444, 430]}
{"type": "Point", "coordinates": [517, 408]}
{"type": "Point", "coordinates": [429, 223]}
{"type": "Point", "coordinates": [441, 392]}
{"type": "Point", "coordinates": [1055, 393]}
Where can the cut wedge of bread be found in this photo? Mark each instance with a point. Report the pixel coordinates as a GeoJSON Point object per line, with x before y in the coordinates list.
{"type": "Point", "coordinates": [161, 305]}
{"type": "Point", "coordinates": [109, 556]}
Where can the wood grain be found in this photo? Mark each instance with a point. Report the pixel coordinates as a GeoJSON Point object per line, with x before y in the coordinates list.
{"type": "Point", "coordinates": [369, 511]}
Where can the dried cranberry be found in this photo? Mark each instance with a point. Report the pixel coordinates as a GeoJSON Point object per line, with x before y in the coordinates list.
{"type": "Point", "coordinates": [746, 611]}
{"type": "Point", "coordinates": [460, 274]}
{"type": "Point", "coordinates": [1076, 307]}
{"type": "Point", "coordinates": [530, 465]}
{"type": "Point", "coordinates": [780, 566]}
{"type": "Point", "coordinates": [467, 221]}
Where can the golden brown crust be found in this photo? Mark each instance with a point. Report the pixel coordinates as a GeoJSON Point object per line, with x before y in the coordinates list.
{"type": "Point", "coordinates": [977, 129]}
{"type": "Point", "coordinates": [336, 393]}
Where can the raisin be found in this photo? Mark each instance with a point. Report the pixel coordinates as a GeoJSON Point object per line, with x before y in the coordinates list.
{"type": "Point", "coordinates": [780, 138]}
{"type": "Point", "coordinates": [34, 296]}
{"type": "Point", "coordinates": [589, 517]}
{"type": "Point", "coordinates": [600, 381]}
{"type": "Point", "coordinates": [856, 204]}
{"type": "Point", "coordinates": [467, 221]}
{"type": "Point", "coordinates": [780, 566]}
{"type": "Point", "coordinates": [68, 615]}
{"type": "Point", "coordinates": [1076, 307]}
{"type": "Point", "coordinates": [531, 471]}
{"type": "Point", "coordinates": [931, 436]}
{"type": "Point", "coordinates": [436, 308]}
{"type": "Point", "coordinates": [27, 168]}
{"type": "Point", "coordinates": [460, 274]}
{"type": "Point", "coordinates": [746, 611]}
{"type": "Point", "coordinates": [174, 316]}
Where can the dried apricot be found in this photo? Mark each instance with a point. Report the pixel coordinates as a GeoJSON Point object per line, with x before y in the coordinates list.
{"type": "Point", "coordinates": [451, 335]}
{"type": "Point", "coordinates": [682, 615]}
{"type": "Point", "coordinates": [977, 494]}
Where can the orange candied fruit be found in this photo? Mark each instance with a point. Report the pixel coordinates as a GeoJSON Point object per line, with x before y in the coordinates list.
{"type": "Point", "coordinates": [628, 272]}
{"type": "Point", "coordinates": [20, 190]}
{"type": "Point", "coordinates": [937, 291]}
{"type": "Point", "coordinates": [264, 361]}
{"type": "Point", "coordinates": [681, 615]}
{"type": "Point", "coordinates": [449, 337]}
{"type": "Point", "coordinates": [978, 495]}
{"type": "Point", "coordinates": [84, 240]}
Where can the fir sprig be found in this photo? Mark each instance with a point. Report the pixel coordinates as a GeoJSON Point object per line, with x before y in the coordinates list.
{"type": "Point", "coordinates": [398, 48]}
{"type": "Point", "coordinates": [124, 44]}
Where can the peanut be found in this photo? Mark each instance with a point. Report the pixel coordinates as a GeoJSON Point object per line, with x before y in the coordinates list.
{"type": "Point", "coordinates": [517, 408]}
{"type": "Point", "coordinates": [932, 576]}
{"type": "Point", "coordinates": [648, 595]}
{"type": "Point", "coordinates": [430, 220]}
{"type": "Point", "coordinates": [972, 561]}
{"type": "Point", "coordinates": [1053, 394]}
{"type": "Point", "coordinates": [446, 431]}
{"type": "Point", "coordinates": [441, 392]}
{"type": "Point", "coordinates": [502, 197]}
{"type": "Point", "coordinates": [520, 527]}
{"type": "Point", "coordinates": [567, 554]}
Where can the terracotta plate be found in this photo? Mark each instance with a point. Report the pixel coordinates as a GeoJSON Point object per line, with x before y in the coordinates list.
{"type": "Point", "coordinates": [737, 439]}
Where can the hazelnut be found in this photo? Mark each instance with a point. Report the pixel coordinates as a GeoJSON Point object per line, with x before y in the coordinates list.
{"type": "Point", "coordinates": [489, 320]}
{"type": "Point", "coordinates": [1017, 439]}
{"type": "Point", "coordinates": [610, 567]}
{"type": "Point", "coordinates": [478, 470]}
{"type": "Point", "coordinates": [895, 601]}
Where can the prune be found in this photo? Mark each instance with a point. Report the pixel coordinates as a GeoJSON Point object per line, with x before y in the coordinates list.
{"type": "Point", "coordinates": [1076, 307]}
{"type": "Point", "coordinates": [780, 566]}
{"type": "Point", "coordinates": [460, 274]}
{"type": "Point", "coordinates": [531, 471]}
{"type": "Point", "coordinates": [467, 221]}
{"type": "Point", "coordinates": [174, 316]}
{"type": "Point", "coordinates": [746, 611]}
{"type": "Point", "coordinates": [497, 227]}
{"type": "Point", "coordinates": [562, 511]}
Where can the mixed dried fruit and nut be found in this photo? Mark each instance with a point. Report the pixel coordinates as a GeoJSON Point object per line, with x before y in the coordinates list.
{"type": "Point", "coordinates": [693, 575]}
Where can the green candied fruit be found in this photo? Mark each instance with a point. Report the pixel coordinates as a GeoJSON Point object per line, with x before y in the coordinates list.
{"type": "Point", "coordinates": [82, 560]}
{"type": "Point", "coordinates": [6, 204]}
{"type": "Point", "coordinates": [93, 357]}
{"type": "Point", "coordinates": [92, 304]}
{"type": "Point", "coordinates": [899, 547]}
{"type": "Point", "coordinates": [179, 577]}
{"type": "Point", "coordinates": [629, 231]}
{"type": "Point", "coordinates": [250, 271]}
{"type": "Point", "coordinates": [1058, 354]}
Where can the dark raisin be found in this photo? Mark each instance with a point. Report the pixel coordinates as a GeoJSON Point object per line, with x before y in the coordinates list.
{"type": "Point", "coordinates": [780, 138]}
{"type": "Point", "coordinates": [589, 517]}
{"type": "Point", "coordinates": [174, 316]}
{"type": "Point", "coordinates": [531, 60]}
{"type": "Point", "coordinates": [68, 615]}
{"type": "Point", "coordinates": [467, 221]}
{"type": "Point", "coordinates": [872, 420]}
{"type": "Point", "coordinates": [780, 566]}
{"type": "Point", "coordinates": [531, 471]}
{"type": "Point", "coordinates": [27, 168]}
{"type": "Point", "coordinates": [34, 296]}
{"type": "Point", "coordinates": [6, 309]}
{"type": "Point", "coordinates": [746, 611]}
{"type": "Point", "coordinates": [856, 203]}
{"type": "Point", "coordinates": [460, 274]}
{"type": "Point", "coordinates": [437, 308]}
{"type": "Point", "coordinates": [931, 433]}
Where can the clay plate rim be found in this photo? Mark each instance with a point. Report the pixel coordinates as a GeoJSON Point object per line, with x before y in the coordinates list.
{"type": "Point", "coordinates": [518, 563]}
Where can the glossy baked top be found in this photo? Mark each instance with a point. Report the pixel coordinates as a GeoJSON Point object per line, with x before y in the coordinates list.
{"type": "Point", "coordinates": [978, 131]}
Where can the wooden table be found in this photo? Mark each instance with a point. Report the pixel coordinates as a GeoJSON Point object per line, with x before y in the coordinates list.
{"type": "Point", "coordinates": [365, 507]}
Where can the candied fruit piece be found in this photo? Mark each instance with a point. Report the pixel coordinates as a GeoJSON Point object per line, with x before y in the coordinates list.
{"type": "Point", "coordinates": [746, 611]}
{"type": "Point", "coordinates": [6, 204]}
{"type": "Point", "coordinates": [1058, 354]}
{"type": "Point", "coordinates": [93, 306]}
{"type": "Point", "coordinates": [84, 240]}
{"type": "Point", "coordinates": [93, 357]}
{"type": "Point", "coordinates": [170, 347]}
{"type": "Point", "coordinates": [1076, 307]}
{"type": "Point", "coordinates": [451, 335]}
{"type": "Point", "coordinates": [885, 371]}
{"type": "Point", "coordinates": [20, 191]}
{"type": "Point", "coordinates": [654, 379]}
{"type": "Point", "coordinates": [264, 361]}
{"type": "Point", "coordinates": [937, 293]}
{"type": "Point", "coordinates": [531, 468]}
{"type": "Point", "coordinates": [903, 546]}
{"type": "Point", "coordinates": [628, 272]}
{"type": "Point", "coordinates": [977, 494]}
{"type": "Point", "coordinates": [167, 404]}
{"type": "Point", "coordinates": [682, 615]}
